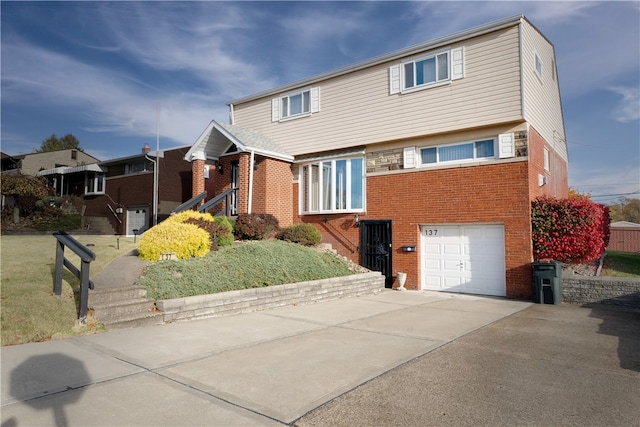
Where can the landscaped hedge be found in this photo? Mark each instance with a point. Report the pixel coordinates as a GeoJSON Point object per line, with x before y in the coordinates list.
{"type": "Point", "coordinates": [569, 230]}
{"type": "Point", "coordinates": [185, 240]}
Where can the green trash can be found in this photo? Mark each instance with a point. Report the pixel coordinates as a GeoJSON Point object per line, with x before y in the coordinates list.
{"type": "Point", "coordinates": [547, 282]}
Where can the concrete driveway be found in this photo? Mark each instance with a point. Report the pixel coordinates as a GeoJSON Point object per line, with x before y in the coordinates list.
{"type": "Point", "coordinates": [395, 358]}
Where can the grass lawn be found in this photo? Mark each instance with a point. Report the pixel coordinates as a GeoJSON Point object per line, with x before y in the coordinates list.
{"type": "Point", "coordinates": [621, 264]}
{"type": "Point", "coordinates": [29, 309]}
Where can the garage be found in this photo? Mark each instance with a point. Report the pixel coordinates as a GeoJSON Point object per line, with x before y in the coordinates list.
{"type": "Point", "coordinates": [464, 258]}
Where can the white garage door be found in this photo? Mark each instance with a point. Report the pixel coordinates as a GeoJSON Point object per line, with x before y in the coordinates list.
{"type": "Point", "coordinates": [464, 258]}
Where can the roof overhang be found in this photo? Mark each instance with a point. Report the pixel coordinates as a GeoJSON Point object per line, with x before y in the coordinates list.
{"type": "Point", "coordinates": [66, 170]}
{"type": "Point", "coordinates": [217, 138]}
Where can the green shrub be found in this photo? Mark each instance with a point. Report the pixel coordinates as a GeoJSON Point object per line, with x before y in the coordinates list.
{"type": "Point", "coordinates": [303, 234]}
{"type": "Point", "coordinates": [225, 231]}
{"type": "Point", "coordinates": [185, 240]}
{"type": "Point", "coordinates": [256, 226]}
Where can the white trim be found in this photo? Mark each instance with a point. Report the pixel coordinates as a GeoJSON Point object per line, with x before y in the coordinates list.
{"type": "Point", "coordinates": [456, 61]}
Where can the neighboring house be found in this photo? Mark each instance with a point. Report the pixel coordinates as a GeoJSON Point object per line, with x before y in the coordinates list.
{"type": "Point", "coordinates": [625, 237]}
{"type": "Point", "coordinates": [122, 190]}
{"type": "Point", "coordinates": [422, 161]}
{"type": "Point", "coordinates": [32, 163]}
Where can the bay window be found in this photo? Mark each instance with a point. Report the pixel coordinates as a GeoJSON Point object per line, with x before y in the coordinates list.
{"type": "Point", "coordinates": [332, 186]}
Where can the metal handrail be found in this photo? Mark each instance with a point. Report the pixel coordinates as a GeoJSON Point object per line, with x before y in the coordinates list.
{"type": "Point", "coordinates": [86, 256]}
{"type": "Point", "coordinates": [190, 203]}
{"type": "Point", "coordinates": [114, 213]}
{"type": "Point", "coordinates": [218, 199]}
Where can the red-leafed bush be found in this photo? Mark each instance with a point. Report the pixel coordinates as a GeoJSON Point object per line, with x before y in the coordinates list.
{"type": "Point", "coordinates": [569, 230]}
{"type": "Point", "coordinates": [258, 226]}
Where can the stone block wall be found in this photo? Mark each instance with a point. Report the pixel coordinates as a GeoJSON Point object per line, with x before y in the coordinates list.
{"type": "Point", "coordinates": [623, 292]}
{"type": "Point", "coordinates": [249, 300]}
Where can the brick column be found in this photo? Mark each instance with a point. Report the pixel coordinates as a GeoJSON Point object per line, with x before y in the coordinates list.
{"type": "Point", "coordinates": [197, 174]}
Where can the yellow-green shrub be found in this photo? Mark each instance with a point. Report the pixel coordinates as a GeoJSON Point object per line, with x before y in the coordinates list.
{"type": "Point", "coordinates": [185, 240]}
{"type": "Point", "coordinates": [184, 216]}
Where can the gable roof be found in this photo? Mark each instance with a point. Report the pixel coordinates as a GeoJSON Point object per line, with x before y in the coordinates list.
{"type": "Point", "coordinates": [218, 137]}
{"type": "Point", "coordinates": [408, 51]}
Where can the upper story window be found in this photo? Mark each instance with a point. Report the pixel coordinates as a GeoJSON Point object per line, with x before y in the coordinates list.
{"type": "Point", "coordinates": [538, 64]}
{"type": "Point", "coordinates": [142, 165]}
{"type": "Point", "coordinates": [427, 71]}
{"type": "Point", "coordinates": [296, 104]}
{"type": "Point", "coordinates": [336, 185]}
{"type": "Point", "coordinates": [467, 151]}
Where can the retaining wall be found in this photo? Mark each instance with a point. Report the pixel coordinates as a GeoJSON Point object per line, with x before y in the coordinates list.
{"type": "Point", "coordinates": [624, 292]}
{"type": "Point", "coordinates": [248, 300]}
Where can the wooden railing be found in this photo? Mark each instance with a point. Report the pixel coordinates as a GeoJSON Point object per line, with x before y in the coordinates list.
{"type": "Point", "coordinates": [86, 256]}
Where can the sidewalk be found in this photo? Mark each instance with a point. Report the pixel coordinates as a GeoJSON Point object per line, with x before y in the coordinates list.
{"type": "Point", "coordinates": [264, 368]}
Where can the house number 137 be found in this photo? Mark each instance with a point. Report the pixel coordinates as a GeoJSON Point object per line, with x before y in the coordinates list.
{"type": "Point", "coordinates": [431, 232]}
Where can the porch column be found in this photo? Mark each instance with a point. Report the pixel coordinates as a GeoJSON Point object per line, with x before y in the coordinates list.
{"type": "Point", "coordinates": [197, 174]}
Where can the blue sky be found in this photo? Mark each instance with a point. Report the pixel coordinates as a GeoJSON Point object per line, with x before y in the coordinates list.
{"type": "Point", "coordinates": [99, 70]}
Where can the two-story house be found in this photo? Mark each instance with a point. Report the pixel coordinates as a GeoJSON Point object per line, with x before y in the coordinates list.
{"type": "Point", "coordinates": [423, 160]}
{"type": "Point", "coordinates": [32, 163]}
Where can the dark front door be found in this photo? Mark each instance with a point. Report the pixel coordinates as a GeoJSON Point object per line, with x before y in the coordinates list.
{"type": "Point", "coordinates": [233, 209]}
{"type": "Point", "coordinates": [375, 247]}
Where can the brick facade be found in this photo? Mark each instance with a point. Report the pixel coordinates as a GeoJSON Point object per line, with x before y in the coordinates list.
{"type": "Point", "coordinates": [473, 194]}
{"type": "Point", "coordinates": [125, 190]}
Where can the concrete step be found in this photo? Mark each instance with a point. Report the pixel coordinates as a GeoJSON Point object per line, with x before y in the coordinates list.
{"type": "Point", "coordinates": [105, 296]}
{"type": "Point", "coordinates": [146, 319]}
{"type": "Point", "coordinates": [114, 312]}
{"type": "Point", "coordinates": [98, 225]}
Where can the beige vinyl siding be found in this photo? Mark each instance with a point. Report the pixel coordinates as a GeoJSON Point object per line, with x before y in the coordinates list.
{"type": "Point", "coordinates": [542, 106]}
{"type": "Point", "coordinates": [357, 109]}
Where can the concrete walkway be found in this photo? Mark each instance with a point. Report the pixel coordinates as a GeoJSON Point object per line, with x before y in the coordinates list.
{"type": "Point", "coordinates": [265, 368]}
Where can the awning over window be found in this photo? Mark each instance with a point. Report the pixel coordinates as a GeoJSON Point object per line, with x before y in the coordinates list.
{"type": "Point", "coordinates": [65, 170]}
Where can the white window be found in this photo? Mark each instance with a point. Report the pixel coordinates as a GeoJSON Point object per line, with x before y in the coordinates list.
{"type": "Point", "coordinates": [467, 151]}
{"type": "Point", "coordinates": [138, 166]}
{"type": "Point", "coordinates": [538, 64]}
{"type": "Point", "coordinates": [546, 159]}
{"type": "Point", "coordinates": [336, 185]}
{"type": "Point", "coordinates": [94, 183]}
{"type": "Point", "coordinates": [427, 71]}
{"type": "Point", "coordinates": [296, 104]}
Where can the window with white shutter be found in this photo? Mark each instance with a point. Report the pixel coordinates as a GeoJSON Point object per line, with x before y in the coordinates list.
{"type": "Point", "coordinates": [295, 104]}
{"type": "Point", "coordinates": [427, 71]}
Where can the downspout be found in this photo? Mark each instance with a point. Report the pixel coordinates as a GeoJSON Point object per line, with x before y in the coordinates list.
{"type": "Point", "coordinates": [251, 164]}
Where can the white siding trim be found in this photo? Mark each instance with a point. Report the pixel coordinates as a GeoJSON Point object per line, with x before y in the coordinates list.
{"type": "Point", "coordinates": [506, 146]}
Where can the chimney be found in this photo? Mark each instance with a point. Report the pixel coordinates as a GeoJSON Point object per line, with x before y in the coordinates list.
{"type": "Point", "coordinates": [146, 149]}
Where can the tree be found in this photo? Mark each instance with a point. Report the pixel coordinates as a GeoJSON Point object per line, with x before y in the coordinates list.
{"type": "Point", "coordinates": [626, 210]}
{"type": "Point", "coordinates": [53, 143]}
{"type": "Point", "coordinates": [574, 194]}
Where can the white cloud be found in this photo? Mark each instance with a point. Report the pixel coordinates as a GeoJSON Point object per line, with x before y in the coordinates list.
{"type": "Point", "coordinates": [629, 108]}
